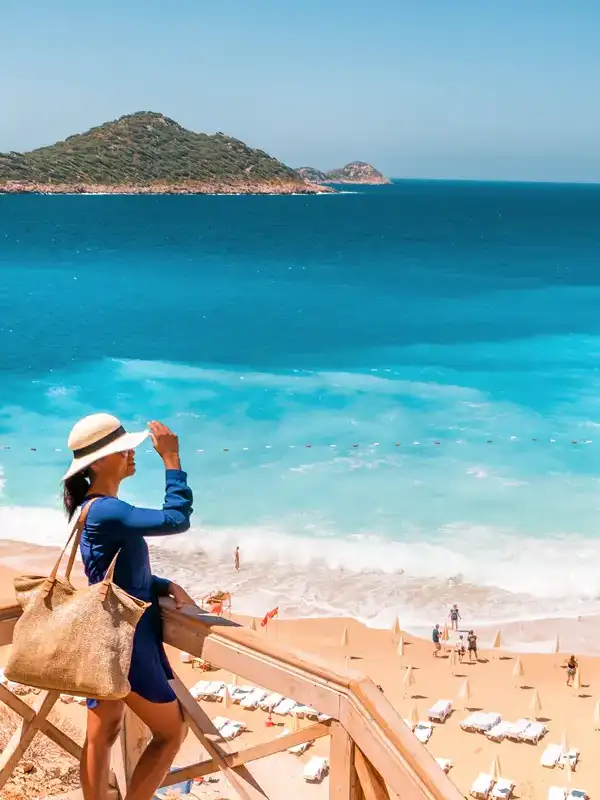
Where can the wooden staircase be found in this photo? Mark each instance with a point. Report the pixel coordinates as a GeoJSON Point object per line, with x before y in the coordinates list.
{"type": "Point", "coordinates": [373, 754]}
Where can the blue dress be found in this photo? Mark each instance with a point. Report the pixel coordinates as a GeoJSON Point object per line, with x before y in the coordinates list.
{"type": "Point", "coordinates": [114, 525]}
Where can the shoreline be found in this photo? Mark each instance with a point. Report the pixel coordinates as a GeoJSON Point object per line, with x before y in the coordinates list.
{"type": "Point", "coordinates": [187, 188]}
{"type": "Point", "coordinates": [579, 634]}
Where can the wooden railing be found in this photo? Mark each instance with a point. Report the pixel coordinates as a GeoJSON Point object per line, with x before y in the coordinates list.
{"type": "Point", "coordinates": [373, 754]}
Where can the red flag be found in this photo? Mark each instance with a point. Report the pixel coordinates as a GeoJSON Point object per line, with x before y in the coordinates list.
{"type": "Point", "coordinates": [269, 615]}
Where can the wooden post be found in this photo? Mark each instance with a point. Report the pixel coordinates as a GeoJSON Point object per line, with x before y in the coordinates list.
{"type": "Point", "coordinates": [343, 781]}
{"type": "Point", "coordinates": [372, 783]}
{"type": "Point", "coordinates": [127, 751]}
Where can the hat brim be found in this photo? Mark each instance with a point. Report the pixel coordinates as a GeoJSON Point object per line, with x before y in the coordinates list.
{"type": "Point", "coordinates": [129, 441]}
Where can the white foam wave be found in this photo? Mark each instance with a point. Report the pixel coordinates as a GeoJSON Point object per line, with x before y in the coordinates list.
{"type": "Point", "coordinates": [492, 574]}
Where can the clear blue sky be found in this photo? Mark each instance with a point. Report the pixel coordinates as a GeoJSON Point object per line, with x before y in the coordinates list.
{"type": "Point", "coordinates": [508, 89]}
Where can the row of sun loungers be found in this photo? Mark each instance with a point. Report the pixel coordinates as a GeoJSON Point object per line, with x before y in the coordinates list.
{"type": "Point", "coordinates": [251, 697]}
{"type": "Point", "coordinates": [485, 786]}
{"type": "Point", "coordinates": [497, 729]}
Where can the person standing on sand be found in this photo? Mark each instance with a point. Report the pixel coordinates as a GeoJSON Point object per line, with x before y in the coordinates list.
{"type": "Point", "coordinates": [454, 616]}
{"type": "Point", "coordinates": [103, 456]}
{"type": "Point", "coordinates": [571, 670]}
{"type": "Point", "coordinates": [460, 648]}
{"type": "Point", "coordinates": [236, 558]}
{"type": "Point", "coordinates": [472, 645]}
{"type": "Point", "coordinates": [435, 636]}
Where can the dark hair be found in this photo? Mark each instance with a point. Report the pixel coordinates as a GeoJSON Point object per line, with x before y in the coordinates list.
{"type": "Point", "coordinates": [75, 489]}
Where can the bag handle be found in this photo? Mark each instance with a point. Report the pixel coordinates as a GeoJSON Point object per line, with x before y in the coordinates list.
{"type": "Point", "coordinates": [76, 531]}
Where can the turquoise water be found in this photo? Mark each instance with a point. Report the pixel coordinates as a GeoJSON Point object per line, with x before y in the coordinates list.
{"type": "Point", "coordinates": [443, 314]}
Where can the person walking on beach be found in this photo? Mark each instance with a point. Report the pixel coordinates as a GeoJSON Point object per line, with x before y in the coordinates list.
{"type": "Point", "coordinates": [472, 645]}
{"type": "Point", "coordinates": [460, 648]}
{"type": "Point", "coordinates": [436, 641]}
{"type": "Point", "coordinates": [571, 670]}
{"type": "Point", "coordinates": [236, 558]}
{"type": "Point", "coordinates": [454, 616]}
{"type": "Point", "coordinates": [103, 456]}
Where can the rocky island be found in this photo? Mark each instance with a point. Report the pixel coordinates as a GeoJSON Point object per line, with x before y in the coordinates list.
{"type": "Point", "coordinates": [148, 153]}
{"type": "Point", "coordinates": [357, 172]}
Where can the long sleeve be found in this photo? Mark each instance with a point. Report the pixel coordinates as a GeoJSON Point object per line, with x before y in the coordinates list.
{"type": "Point", "coordinates": [160, 586]}
{"type": "Point", "coordinates": [119, 517]}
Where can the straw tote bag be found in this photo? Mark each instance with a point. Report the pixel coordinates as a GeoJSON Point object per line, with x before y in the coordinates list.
{"type": "Point", "coordinates": [76, 641]}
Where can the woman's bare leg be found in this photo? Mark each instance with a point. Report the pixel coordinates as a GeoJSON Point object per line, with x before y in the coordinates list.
{"type": "Point", "coordinates": [103, 727]}
{"type": "Point", "coordinates": [168, 729]}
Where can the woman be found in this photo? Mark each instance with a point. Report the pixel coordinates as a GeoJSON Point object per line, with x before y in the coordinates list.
{"type": "Point", "coordinates": [103, 455]}
{"type": "Point", "coordinates": [571, 670]}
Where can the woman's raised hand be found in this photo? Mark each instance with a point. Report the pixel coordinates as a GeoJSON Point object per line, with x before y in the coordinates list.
{"type": "Point", "coordinates": [166, 444]}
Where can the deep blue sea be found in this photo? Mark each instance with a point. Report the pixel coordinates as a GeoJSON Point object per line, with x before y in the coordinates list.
{"type": "Point", "coordinates": [435, 343]}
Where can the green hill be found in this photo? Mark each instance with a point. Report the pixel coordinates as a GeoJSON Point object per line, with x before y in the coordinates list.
{"type": "Point", "coordinates": [147, 149]}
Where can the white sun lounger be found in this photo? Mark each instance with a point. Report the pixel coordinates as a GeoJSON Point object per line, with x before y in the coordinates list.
{"type": "Point", "coordinates": [518, 729]}
{"type": "Point", "coordinates": [213, 691]}
{"type": "Point", "coordinates": [316, 769]}
{"type": "Point", "coordinates": [556, 793]}
{"type": "Point", "coordinates": [423, 731]}
{"type": "Point", "coordinates": [481, 721]}
{"type": "Point", "coordinates": [577, 794]}
{"type": "Point", "coordinates": [198, 689]}
{"type": "Point", "coordinates": [269, 703]}
{"type": "Point", "coordinates": [220, 722]}
{"type": "Point", "coordinates": [252, 699]}
{"type": "Point", "coordinates": [444, 764]}
{"type": "Point", "coordinates": [299, 749]}
{"type": "Point", "coordinates": [550, 756]}
{"type": "Point", "coordinates": [285, 706]}
{"type": "Point", "coordinates": [499, 731]}
{"type": "Point", "coordinates": [232, 729]}
{"type": "Point", "coordinates": [572, 756]}
{"type": "Point", "coordinates": [306, 711]}
{"type": "Point", "coordinates": [66, 698]}
{"type": "Point", "coordinates": [534, 732]}
{"type": "Point", "coordinates": [482, 786]}
{"type": "Point", "coordinates": [440, 710]}
{"type": "Point", "coordinates": [503, 789]}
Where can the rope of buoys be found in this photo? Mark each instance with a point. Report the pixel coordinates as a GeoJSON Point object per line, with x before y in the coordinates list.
{"type": "Point", "coordinates": [351, 446]}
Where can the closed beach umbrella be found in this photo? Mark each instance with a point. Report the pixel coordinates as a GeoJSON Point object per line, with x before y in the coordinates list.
{"type": "Point", "coordinates": [234, 679]}
{"type": "Point", "coordinates": [535, 705]}
{"type": "Point", "coordinates": [400, 648]}
{"type": "Point", "coordinates": [252, 624]}
{"type": "Point", "coordinates": [226, 698]}
{"type": "Point", "coordinates": [464, 692]}
{"type": "Point", "coordinates": [452, 660]}
{"type": "Point", "coordinates": [564, 744]}
{"type": "Point", "coordinates": [413, 717]}
{"type": "Point", "coordinates": [396, 631]}
{"type": "Point", "coordinates": [597, 716]}
{"type": "Point", "coordinates": [445, 633]}
{"type": "Point", "coordinates": [295, 722]}
{"type": "Point", "coordinates": [497, 643]}
{"type": "Point", "coordinates": [557, 644]}
{"type": "Point", "coordinates": [518, 671]}
{"type": "Point", "coordinates": [344, 641]}
{"type": "Point", "coordinates": [568, 768]}
{"type": "Point", "coordinates": [495, 771]}
{"type": "Point", "coordinates": [408, 680]}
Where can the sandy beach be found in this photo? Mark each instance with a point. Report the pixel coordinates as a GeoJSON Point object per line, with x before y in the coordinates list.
{"type": "Point", "coordinates": [492, 687]}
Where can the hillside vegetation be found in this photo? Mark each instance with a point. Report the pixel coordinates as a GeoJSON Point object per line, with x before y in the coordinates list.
{"type": "Point", "coordinates": [143, 149]}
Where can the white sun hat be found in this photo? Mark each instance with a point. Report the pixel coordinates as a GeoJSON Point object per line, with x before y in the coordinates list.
{"type": "Point", "coordinates": [96, 436]}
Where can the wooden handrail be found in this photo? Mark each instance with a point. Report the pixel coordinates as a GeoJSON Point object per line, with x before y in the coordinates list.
{"type": "Point", "coordinates": [367, 728]}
